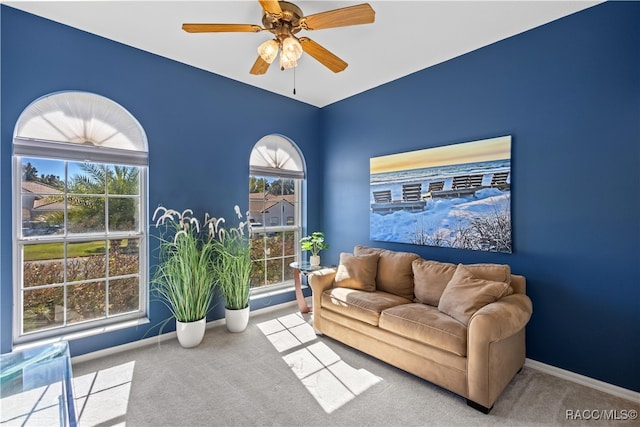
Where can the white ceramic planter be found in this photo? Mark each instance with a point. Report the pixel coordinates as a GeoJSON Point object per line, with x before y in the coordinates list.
{"type": "Point", "coordinates": [236, 320]}
{"type": "Point", "coordinates": [190, 334]}
{"type": "Point", "coordinates": [314, 260]}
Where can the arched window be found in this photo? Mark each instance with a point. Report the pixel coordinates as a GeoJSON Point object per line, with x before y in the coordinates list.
{"type": "Point", "coordinates": [277, 173]}
{"type": "Point", "coordinates": [80, 182]}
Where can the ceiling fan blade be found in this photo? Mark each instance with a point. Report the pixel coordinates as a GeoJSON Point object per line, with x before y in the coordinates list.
{"type": "Point", "coordinates": [322, 55]}
{"type": "Point", "coordinates": [260, 66]}
{"type": "Point", "coordinates": [221, 28]}
{"type": "Point", "coordinates": [271, 6]}
{"type": "Point", "coordinates": [352, 15]}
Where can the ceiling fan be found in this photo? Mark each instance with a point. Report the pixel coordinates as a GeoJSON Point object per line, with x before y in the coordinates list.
{"type": "Point", "coordinates": [284, 20]}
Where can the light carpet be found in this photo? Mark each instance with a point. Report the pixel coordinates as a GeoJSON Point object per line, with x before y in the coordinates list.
{"type": "Point", "coordinates": [279, 373]}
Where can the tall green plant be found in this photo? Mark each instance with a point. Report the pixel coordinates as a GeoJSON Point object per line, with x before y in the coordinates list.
{"type": "Point", "coordinates": [184, 279]}
{"type": "Point", "coordinates": [233, 264]}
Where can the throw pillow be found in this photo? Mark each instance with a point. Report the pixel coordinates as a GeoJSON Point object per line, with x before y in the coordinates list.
{"type": "Point", "coordinates": [357, 271]}
{"type": "Point", "coordinates": [465, 294]}
{"type": "Point", "coordinates": [394, 270]}
{"type": "Point", "coordinates": [494, 272]}
{"type": "Point", "coordinates": [430, 278]}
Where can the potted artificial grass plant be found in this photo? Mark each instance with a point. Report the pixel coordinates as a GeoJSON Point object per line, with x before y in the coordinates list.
{"type": "Point", "coordinates": [233, 272]}
{"type": "Point", "coordinates": [184, 279]}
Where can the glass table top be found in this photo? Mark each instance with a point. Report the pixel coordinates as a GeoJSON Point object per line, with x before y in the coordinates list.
{"type": "Point", "coordinates": [36, 387]}
{"type": "Point", "coordinates": [306, 267]}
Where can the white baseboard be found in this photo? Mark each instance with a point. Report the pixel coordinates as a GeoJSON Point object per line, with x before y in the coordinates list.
{"type": "Point", "coordinates": [585, 381]}
{"type": "Point", "coordinates": [163, 337]}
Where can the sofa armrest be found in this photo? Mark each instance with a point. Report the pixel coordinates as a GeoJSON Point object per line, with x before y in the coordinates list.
{"type": "Point", "coordinates": [320, 281]}
{"type": "Point", "coordinates": [496, 346]}
{"type": "Point", "coordinates": [501, 319]}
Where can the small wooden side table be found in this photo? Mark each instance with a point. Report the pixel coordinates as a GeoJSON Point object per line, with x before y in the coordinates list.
{"type": "Point", "coordinates": [302, 269]}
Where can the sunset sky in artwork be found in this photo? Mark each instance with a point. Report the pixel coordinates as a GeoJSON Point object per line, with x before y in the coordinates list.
{"type": "Point", "coordinates": [469, 152]}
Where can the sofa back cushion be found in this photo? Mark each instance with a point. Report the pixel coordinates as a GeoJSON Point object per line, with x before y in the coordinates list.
{"type": "Point", "coordinates": [466, 293]}
{"type": "Point", "coordinates": [357, 271]}
{"type": "Point", "coordinates": [430, 278]}
{"type": "Point", "coordinates": [395, 275]}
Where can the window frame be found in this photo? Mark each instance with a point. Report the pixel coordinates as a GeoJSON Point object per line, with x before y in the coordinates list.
{"type": "Point", "coordinates": [26, 147]}
{"type": "Point", "coordinates": [276, 156]}
{"type": "Point", "coordinates": [20, 241]}
{"type": "Point", "coordinates": [281, 228]}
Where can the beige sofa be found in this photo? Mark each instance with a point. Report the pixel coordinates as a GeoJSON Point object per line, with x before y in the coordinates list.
{"type": "Point", "coordinates": [461, 327]}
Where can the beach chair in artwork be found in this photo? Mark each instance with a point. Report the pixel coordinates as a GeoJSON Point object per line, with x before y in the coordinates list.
{"type": "Point", "coordinates": [412, 192]}
{"type": "Point", "coordinates": [383, 196]}
{"type": "Point", "coordinates": [434, 186]}
{"type": "Point", "coordinates": [499, 180]}
{"type": "Point", "coordinates": [475, 181]}
{"type": "Point", "coordinates": [466, 184]}
{"type": "Point", "coordinates": [460, 182]}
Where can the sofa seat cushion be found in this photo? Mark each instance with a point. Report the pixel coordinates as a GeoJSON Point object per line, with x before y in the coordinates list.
{"type": "Point", "coordinates": [426, 324]}
{"type": "Point", "coordinates": [360, 305]}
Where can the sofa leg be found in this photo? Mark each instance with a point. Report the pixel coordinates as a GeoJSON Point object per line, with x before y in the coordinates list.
{"type": "Point", "coordinates": [478, 407]}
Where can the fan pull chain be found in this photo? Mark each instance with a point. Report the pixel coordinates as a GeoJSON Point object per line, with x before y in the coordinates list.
{"type": "Point", "coordinates": [294, 80]}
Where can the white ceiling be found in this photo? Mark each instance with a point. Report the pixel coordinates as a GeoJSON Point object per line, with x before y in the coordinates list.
{"type": "Point", "coordinates": [407, 36]}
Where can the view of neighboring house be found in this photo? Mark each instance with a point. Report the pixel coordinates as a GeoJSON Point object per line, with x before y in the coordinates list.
{"type": "Point", "coordinates": [266, 209]}
{"type": "Point", "coordinates": [38, 201]}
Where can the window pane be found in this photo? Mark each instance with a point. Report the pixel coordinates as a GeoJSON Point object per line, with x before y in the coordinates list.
{"type": "Point", "coordinates": [42, 176]}
{"type": "Point", "coordinates": [123, 214]}
{"type": "Point", "coordinates": [124, 257]}
{"type": "Point", "coordinates": [274, 245]}
{"type": "Point", "coordinates": [85, 301]}
{"type": "Point", "coordinates": [86, 260]}
{"type": "Point", "coordinates": [42, 215]}
{"type": "Point", "coordinates": [290, 243]}
{"type": "Point", "coordinates": [86, 214]}
{"type": "Point", "coordinates": [43, 308]}
{"type": "Point", "coordinates": [288, 271]}
{"type": "Point", "coordinates": [257, 273]}
{"type": "Point", "coordinates": [274, 271]}
{"type": "Point", "coordinates": [124, 295]}
{"type": "Point", "coordinates": [87, 178]}
{"type": "Point", "coordinates": [43, 264]}
{"type": "Point", "coordinates": [123, 180]}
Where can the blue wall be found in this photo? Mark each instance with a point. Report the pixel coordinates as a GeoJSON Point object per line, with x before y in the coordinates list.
{"type": "Point", "coordinates": [201, 128]}
{"type": "Point", "coordinates": [569, 94]}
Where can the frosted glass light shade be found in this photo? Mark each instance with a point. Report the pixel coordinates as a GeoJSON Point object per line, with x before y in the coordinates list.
{"type": "Point", "coordinates": [287, 63]}
{"type": "Point", "coordinates": [268, 50]}
{"type": "Point", "coordinates": [291, 49]}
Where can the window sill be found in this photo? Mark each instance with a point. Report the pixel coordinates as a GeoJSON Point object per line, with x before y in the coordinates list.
{"type": "Point", "coordinates": [82, 334]}
{"type": "Point", "coordinates": [269, 291]}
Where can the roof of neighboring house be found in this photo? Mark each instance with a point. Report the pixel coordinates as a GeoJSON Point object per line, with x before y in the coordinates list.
{"type": "Point", "coordinates": [262, 202]}
{"type": "Point", "coordinates": [43, 202]}
{"type": "Point", "coordinates": [47, 205]}
{"type": "Point", "coordinates": [39, 188]}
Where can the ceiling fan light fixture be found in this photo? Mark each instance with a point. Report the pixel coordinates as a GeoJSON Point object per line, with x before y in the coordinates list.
{"type": "Point", "coordinates": [291, 49]}
{"type": "Point", "coordinates": [286, 63]}
{"type": "Point", "coordinates": [268, 50]}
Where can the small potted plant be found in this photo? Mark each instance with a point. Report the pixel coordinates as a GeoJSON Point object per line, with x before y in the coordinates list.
{"type": "Point", "coordinates": [233, 272]}
{"type": "Point", "coordinates": [314, 244]}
